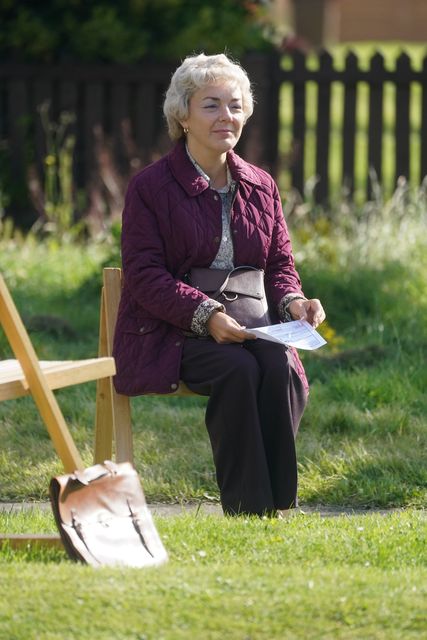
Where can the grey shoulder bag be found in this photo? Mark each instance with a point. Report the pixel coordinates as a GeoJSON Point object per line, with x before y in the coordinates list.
{"type": "Point", "coordinates": [241, 291]}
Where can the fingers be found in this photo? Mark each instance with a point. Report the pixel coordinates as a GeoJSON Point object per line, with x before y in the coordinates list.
{"type": "Point", "coordinates": [298, 309]}
{"type": "Point", "coordinates": [315, 312]}
{"type": "Point", "coordinates": [234, 334]}
{"type": "Point", "coordinates": [309, 310]}
{"type": "Point", "coordinates": [225, 329]}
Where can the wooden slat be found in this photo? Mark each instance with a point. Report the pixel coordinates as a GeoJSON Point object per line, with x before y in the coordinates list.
{"type": "Point", "coordinates": [349, 124]}
{"type": "Point", "coordinates": [323, 128]}
{"type": "Point", "coordinates": [146, 102]}
{"type": "Point", "coordinates": [104, 420]}
{"type": "Point", "coordinates": [375, 119]}
{"type": "Point", "coordinates": [402, 127]}
{"type": "Point", "coordinates": [18, 121]}
{"type": "Point", "coordinates": [121, 404]}
{"type": "Point", "coordinates": [93, 121]}
{"type": "Point", "coordinates": [423, 132]}
{"type": "Point", "coordinates": [299, 124]}
{"type": "Point", "coordinates": [259, 141]}
{"type": "Point", "coordinates": [120, 122]}
{"type": "Point", "coordinates": [42, 94]}
{"type": "Point", "coordinates": [58, 374]}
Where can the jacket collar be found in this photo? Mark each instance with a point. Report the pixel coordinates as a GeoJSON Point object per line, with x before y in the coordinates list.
{"type": "Point", "coordinates": [190, 179]}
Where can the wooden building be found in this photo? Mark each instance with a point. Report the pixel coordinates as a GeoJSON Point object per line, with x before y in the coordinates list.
{"type": "Point", "coordinates": [324, 22]}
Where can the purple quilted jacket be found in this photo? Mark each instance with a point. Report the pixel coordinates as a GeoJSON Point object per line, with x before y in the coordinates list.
{"type": "Point", "coordinates": [172, 222]}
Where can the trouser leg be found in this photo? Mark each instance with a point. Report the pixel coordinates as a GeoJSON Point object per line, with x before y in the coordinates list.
{"type": "Point", "coordinates": [255, 404]}
{"type": "Point", "coordinates": [230, 376]}
{"type": "Point", "coordinates": [281, 402]}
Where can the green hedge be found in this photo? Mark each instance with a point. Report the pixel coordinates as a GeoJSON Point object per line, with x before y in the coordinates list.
{"type": "Point", "coordinates": [126, 32]}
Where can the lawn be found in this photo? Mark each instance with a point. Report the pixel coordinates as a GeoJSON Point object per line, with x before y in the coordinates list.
{"type": "Point", "coordinates": [362, 445]}
{"type": "Point", "coordinates": [308, 578]}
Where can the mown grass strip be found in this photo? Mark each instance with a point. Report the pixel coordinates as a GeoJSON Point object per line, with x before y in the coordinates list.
{"type": "Point", "coordinates": [309, 577]}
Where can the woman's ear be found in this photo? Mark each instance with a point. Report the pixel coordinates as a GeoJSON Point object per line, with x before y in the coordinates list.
{"type": "Point", "coordinates": [184, 126]}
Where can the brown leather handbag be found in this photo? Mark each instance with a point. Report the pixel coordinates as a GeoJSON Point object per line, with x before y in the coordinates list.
{"type": "Point", "coordinates": [103, 518]}
{"type": "Point", "coordinates": [240, 290]}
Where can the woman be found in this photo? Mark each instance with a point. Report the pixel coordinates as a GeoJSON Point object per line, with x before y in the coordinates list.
{"type": "Point", "coordinates": [202, 205]}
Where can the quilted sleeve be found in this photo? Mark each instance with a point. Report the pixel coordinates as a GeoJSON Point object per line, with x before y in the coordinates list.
{"type": "Point", "coordinates": [281, 277]}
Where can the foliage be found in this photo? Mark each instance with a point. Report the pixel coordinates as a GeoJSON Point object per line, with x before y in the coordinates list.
{"type": "Point", "coordinates": [126, 33]}
{"type": "Point", "coordinates": [56, 201]}
{"type": "Point", "coordinates": [348, 234]}
{"type": "Point", "coordinates": [229, 577]}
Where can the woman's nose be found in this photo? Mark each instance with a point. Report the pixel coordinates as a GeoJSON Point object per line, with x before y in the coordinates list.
{"type": "Point", "coordinates": [225, 113]}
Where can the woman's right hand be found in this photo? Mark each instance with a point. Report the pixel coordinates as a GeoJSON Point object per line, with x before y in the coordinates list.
{"type": "Point", "coordinates": [224, 329]}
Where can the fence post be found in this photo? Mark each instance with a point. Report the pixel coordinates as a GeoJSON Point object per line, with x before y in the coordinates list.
{"type": "Point", "coordinates": [323, 127]}
{"type": "Point", "coordinates": [402, 128]}
{"type": "Point", "coordinates": [375, 128]}
{"type": "Point", "coordinates": [260, 136]}
{"type": "Point", "coordinates": [299, 124]}
{"type": "Point", "coordinates": [423, 133]}
{"type": "Point", "coordinates": [349, 124]}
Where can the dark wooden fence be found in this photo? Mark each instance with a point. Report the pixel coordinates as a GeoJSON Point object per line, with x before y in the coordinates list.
{"type": "Point", "coordinates": [119, 108]}
{"type": "Point", "coordinates": [403, 131]}
{"type": "Point", "coordinates": [118, 112]}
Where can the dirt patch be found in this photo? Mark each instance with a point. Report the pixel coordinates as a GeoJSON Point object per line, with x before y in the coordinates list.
{"type": "Point", "coordinates": [204, 508]}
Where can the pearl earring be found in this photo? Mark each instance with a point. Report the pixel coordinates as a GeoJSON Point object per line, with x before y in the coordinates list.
{"type": "Point", "coordinates": [185, 130]}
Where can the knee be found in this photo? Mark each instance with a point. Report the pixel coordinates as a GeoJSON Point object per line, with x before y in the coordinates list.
{"type": "Point", "coordinates": [244, 368]}
{"type": "Point", "coordinates": [277, 370]}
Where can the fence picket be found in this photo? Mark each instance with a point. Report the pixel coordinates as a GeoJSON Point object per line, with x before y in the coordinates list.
{"type": "Point", "coordinates": [349, 122]}
{"type": "Point", "coordinates": [323, 127]}
{"type": "Point", "coordinates": [299, 123]}
{"type": "Point", "coordinates": [375, 127]}
{"type": "Point", "coordinates": [18, 106]}
{"type": "Point", "coordinates": [42, 95]}
{"type": "Point", "coordinates": [93, 117]}
{"type": "Point", "coordinates": [423, 131]}
{"type": "Point", "coordinates": [402, 131]}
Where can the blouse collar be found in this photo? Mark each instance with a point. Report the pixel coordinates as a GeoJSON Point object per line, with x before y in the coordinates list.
{"type": "Point", "coordinates": [230, 182]}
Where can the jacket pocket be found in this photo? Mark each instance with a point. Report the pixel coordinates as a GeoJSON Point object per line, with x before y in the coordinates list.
{"type": "Point", "coordinates": [140, 326]}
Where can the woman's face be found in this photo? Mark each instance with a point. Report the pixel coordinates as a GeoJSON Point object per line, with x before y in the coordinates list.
{"type": "Point", "coordinates": [215, 119]}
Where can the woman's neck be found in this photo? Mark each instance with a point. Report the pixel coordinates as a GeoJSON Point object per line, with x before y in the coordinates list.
{"type": "Point", "coordinates": [214, 167]}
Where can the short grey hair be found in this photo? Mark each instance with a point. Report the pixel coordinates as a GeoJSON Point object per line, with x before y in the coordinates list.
{"type": "Point", "coordinates": [195, 73]}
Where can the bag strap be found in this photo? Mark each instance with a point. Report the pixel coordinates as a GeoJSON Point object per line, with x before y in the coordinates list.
{"type": "Point", "coordinates": [223, 287]}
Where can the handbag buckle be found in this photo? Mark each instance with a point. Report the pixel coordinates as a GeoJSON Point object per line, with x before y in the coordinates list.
{"type": "Point", "coordinates": [230, 298]}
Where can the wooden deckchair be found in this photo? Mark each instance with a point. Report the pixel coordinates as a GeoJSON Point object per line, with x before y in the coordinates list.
{"type": "Point", "coordinates": [26, 375]}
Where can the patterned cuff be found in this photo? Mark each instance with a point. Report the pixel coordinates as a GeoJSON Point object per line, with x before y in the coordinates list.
{"type": "Point", "coordinates": [284, 303]}
{"type": "Point", "coordinates": [202, 315]}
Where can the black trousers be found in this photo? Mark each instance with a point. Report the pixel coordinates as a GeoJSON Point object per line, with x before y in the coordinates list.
{"type": "Point", "coordinates": [256, 400]}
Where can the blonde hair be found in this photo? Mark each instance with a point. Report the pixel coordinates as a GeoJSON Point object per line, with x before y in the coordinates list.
{"type": "Point", "coordinates": [195, 73]}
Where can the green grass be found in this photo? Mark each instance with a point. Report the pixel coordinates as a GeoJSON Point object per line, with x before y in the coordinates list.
{"type": "Point", "coordinates": [362, 443]}
{"type": "Point", "coordinates": [307, 578]}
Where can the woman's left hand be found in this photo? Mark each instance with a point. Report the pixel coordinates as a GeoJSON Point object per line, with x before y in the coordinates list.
{"type": "Point", "coordinates": [310, 310]}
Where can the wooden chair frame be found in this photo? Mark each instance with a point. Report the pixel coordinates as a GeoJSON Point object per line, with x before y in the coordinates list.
{"type": "Point", "coordinates": [26, 375]}
{"type": "Point", "coordinates": [113, 423]}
